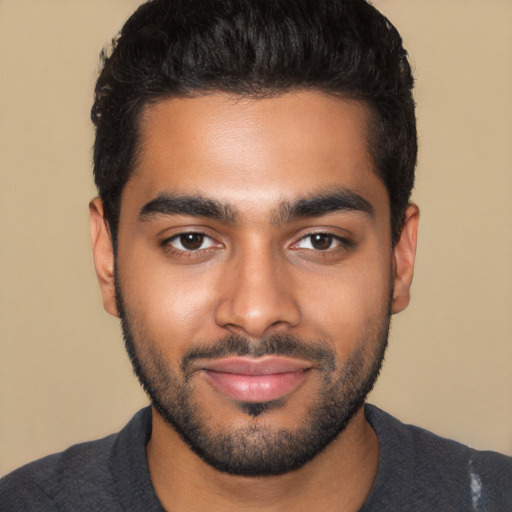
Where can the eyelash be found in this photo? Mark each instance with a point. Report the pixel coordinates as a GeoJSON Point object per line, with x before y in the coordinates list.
{"type": "Point", "coordinates": [342, 244]}
{"type": "Point", "coordinates": [167, 244]}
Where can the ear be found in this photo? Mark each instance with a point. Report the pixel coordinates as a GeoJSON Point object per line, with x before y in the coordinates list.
{"type": "Point", "coordinates": [103, 254]}
{"type": "Point", "coordinates": [404, 254]}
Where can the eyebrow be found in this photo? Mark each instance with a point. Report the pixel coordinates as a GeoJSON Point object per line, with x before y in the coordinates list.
{"type": "Point", "coordinates": [315, 205]}
{"type": "Point", "coordinates": [195, 206]}
{"type": "Point", "coordinates": [323, 203]}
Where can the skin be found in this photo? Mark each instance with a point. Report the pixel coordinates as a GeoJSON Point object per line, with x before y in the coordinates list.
{"type": "Point", "coordinates": [258, 275]}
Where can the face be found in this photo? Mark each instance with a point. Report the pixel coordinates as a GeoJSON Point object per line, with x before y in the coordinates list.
{"type": "Point", "coordinates": [255, 275]}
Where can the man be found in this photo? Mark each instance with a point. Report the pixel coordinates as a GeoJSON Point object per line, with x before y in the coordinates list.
{"type": "Point", "coordinates": [254, 162]}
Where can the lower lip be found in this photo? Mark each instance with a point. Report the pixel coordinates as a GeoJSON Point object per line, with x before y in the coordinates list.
{"type": "Point", "coordinates": [255, 388]}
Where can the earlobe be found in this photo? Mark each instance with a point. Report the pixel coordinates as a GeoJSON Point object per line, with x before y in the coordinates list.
{"type": "Point", "coordinates": [404, 255]}
{"type": "Point", "coordinates": [103, 254]}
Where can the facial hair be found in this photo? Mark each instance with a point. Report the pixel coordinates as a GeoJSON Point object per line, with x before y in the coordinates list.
{"type": "Point", "coordinates": [258, 449]}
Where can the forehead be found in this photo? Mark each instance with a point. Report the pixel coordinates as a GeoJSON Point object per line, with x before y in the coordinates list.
{"type": "Point", "coordinates": [254, 152]}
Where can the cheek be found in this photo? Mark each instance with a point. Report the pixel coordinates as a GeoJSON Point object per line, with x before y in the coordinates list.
{"type": "Point", "coordinates": [170, 307]}
{"type": "Point", "coordinates": [347, 305]}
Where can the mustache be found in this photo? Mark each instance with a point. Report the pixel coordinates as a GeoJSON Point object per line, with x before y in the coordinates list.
{"type": "Point", "coordinates": [233, 345]}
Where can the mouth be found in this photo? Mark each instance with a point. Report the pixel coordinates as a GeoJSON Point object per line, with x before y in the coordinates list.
{"type": "Point", "coordinates": [255, 380]}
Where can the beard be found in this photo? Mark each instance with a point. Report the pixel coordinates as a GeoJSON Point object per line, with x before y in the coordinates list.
{"type": "Point", "coordinates": [258, 449]}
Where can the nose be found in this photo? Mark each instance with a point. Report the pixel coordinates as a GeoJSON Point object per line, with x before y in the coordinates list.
{"type": "Point", "coordinates": [257, 296]}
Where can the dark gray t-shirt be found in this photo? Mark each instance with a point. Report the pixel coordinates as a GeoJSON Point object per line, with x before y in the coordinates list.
{"type": "Point", "coordinates": [418, 472]}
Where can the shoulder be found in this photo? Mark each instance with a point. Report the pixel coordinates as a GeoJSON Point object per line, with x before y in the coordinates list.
{"type": "Point", "coordinates": [442, 473]}
{"type": "Point", "coordinates": [71, 473]}
{"type": "Point", "coordinates": [107, 475]}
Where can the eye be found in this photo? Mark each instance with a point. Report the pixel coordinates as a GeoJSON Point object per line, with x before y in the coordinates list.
{"type": "Point", "coordinates": [319, 242]}
{"type": "Point", "coordinates": [188, 242]}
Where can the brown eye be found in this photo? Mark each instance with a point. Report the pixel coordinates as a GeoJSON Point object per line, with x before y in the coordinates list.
{"type": "Point", "coordinates": [321, 241]}
{"type": "Point", "coordinates": [188, 242]}
{"type": "Point", "coordinates": [191, 241]}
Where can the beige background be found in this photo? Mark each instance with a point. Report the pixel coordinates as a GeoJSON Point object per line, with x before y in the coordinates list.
{"type": "Point", "coordinates": [64, 376]}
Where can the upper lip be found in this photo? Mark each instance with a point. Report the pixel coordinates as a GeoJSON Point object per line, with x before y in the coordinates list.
{"type": "Point", "coordinates": [266, 365]}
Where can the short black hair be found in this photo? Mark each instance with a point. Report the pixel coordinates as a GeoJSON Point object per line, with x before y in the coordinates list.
{"type": "Point", "coordinates": [256, 48]}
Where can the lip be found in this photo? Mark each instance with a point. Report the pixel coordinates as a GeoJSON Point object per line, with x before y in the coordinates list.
{"type": "Point", "coordinates": [261, 379]}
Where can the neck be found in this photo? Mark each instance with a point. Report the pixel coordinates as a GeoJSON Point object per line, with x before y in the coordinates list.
{"type": "Point", "coordinates": [339, 478]}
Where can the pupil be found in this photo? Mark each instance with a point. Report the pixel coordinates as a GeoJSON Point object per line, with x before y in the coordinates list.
{"type": "Point", "coordinates": [191, 241]}
{"type": "Point", "coordinates": [321, 242]}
